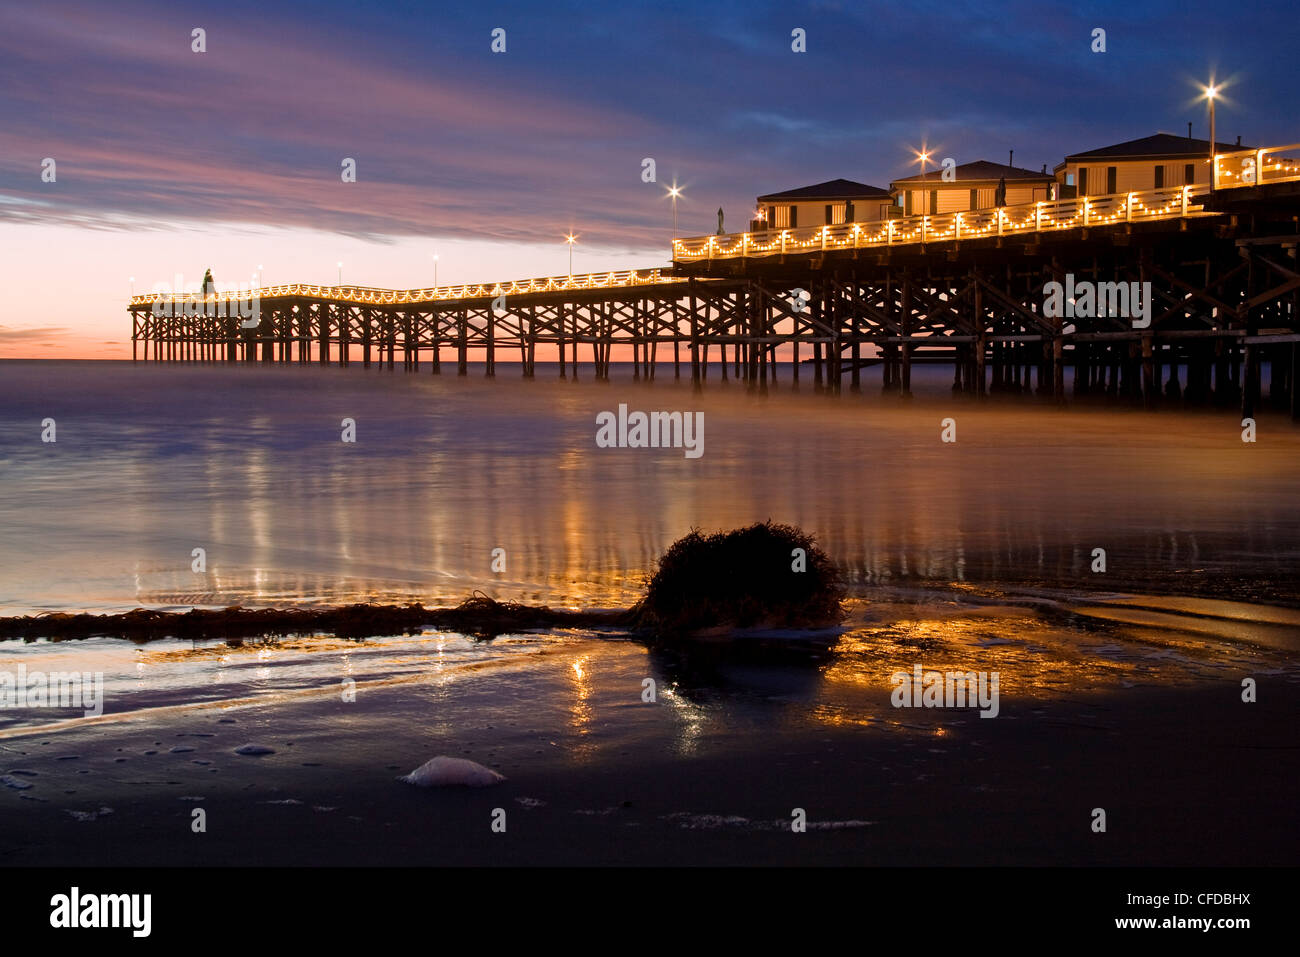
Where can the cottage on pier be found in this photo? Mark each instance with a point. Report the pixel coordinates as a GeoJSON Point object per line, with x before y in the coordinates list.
{"type": "Point", "coordinates": [823, 204]}
{"type": "Point", "coordinates": [1160, 161]}
{"type": "Point", "coordinates": [971, 186]}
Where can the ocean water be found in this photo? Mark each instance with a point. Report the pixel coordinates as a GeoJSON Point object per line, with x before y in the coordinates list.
{"type": "Point", "coordinates": [980, 552]}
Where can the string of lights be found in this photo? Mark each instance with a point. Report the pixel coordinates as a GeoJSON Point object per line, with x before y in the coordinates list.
{"type": "Point", "coordinates": [366, 295]}
{"type": "Point", "coordinates": [1165, 203]}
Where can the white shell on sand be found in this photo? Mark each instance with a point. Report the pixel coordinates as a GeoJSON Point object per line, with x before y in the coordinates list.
{"type": "Point", "coordinates": [255, 749]}
{"type": "Point", "coordinates": [445, 772]}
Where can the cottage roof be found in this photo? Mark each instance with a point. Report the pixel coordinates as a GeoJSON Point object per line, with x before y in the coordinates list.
{"type": "Point", "coordinates": [1158, 146]}
{"type": "Point", "coordinates": [980, 171]}
{"type": "Point", "coordinates": [831, 189]}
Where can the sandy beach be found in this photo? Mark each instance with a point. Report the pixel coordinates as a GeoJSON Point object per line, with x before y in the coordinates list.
{"type": "Point", "coordinates": [707, 775]}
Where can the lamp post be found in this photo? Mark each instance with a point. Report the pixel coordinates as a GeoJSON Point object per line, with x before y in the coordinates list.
{"type": "Point", "coordinates": [340, 265]}
{"type": "Point", "coordinates": [923, 155]}
{"type": "Point", "coordinates": [571, 239]}
{"type": "Point", "coordinates": [260, 267]}
{"type": "Point", "coordinates": [673, 192]}
{"type": "Point", "coordinates": [435, 270]}
{"type": "Point", "coordinates": [1211, 92]}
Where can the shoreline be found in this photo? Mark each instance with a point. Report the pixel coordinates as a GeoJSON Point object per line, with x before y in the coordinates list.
{"type": "Point", "coordinates": [481, 616]}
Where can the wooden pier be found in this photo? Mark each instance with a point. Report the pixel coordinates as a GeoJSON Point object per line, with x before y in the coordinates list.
{"type": "Point", "coordinates": [967, 288]}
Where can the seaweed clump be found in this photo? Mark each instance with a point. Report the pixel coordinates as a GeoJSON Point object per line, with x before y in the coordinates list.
{"type": "Point", "coordinates": [746, 578]}
{"type": "Point", "coordinates": [478, 615]}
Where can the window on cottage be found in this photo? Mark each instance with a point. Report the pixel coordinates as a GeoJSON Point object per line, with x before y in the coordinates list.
{"type": "Point", "coordinates": [1189, 174]}
{"type": "Point", "coordinates": [1111, 179]}
{"type": "Point", "coordinates": [1160, 177]}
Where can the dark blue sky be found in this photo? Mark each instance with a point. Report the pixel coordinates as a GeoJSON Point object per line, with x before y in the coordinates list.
{"type": "Point", "coordinates": [451, 139]}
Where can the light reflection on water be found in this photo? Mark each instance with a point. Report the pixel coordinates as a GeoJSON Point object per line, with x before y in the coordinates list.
{"type": "Point", "coordinates": [152, 462]}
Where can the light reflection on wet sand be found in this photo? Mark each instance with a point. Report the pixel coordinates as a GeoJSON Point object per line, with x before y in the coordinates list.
{"type": "Point", "coordinates": [582, 694]}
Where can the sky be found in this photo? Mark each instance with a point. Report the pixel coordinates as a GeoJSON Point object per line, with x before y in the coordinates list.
{"type": "Point", "coordinates": [168, 161]}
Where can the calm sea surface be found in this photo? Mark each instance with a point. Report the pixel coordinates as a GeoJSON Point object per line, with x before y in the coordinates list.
{"type": "Point", "coordinates": [152, 462]}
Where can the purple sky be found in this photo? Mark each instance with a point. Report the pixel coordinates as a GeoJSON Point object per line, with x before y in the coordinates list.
{"type": "Point", "coordinates": [498, 155]}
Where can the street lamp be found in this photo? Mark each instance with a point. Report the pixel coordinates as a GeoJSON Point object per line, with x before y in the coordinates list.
{"type": "Point", "coordinates": [570, 239]}
{"type": "Point", "coordinates": [673, 192]}
{"type": "Point", "coordinates": [340, 273]}
{"type": "Point", "coordinates": [435, 270]}
{"type": "Point", "coordinates": [1212, 92]}
{"type": "Point", "coordinates": [260, 267]}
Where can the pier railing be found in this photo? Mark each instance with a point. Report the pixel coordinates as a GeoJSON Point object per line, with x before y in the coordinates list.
{"type": "Point", "coordinates": [367, 295]}
{"type": "Point", "coordinates": [1040, 217]}
{"type": "Point", "coordinates": [1256, 167]}
{"type": "Point", "coordinates": [1231, 170]}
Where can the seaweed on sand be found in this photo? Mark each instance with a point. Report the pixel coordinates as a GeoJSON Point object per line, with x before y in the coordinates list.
{"type": "Point", "coordinates": [749, 577]}
{"type": "Point", "coordinates": [477, 615]}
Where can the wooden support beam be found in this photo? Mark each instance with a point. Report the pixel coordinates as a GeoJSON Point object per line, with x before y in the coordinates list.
{"type": "Point", "coordinates": [462, 341]}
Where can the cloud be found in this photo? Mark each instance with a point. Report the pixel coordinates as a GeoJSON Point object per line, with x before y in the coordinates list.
{"type": "Point", "coordinates": [17, 335]}
{"type": "Point", "coordinates": [258, 133]}
{"type": "Point", "coordinates": [450, 139]}
{"type": "Point", "coordinates": [776, 121]}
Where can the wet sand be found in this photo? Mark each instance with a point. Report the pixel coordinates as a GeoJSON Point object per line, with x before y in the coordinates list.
{"type": "Point", "coordinates": [1186, 775]}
